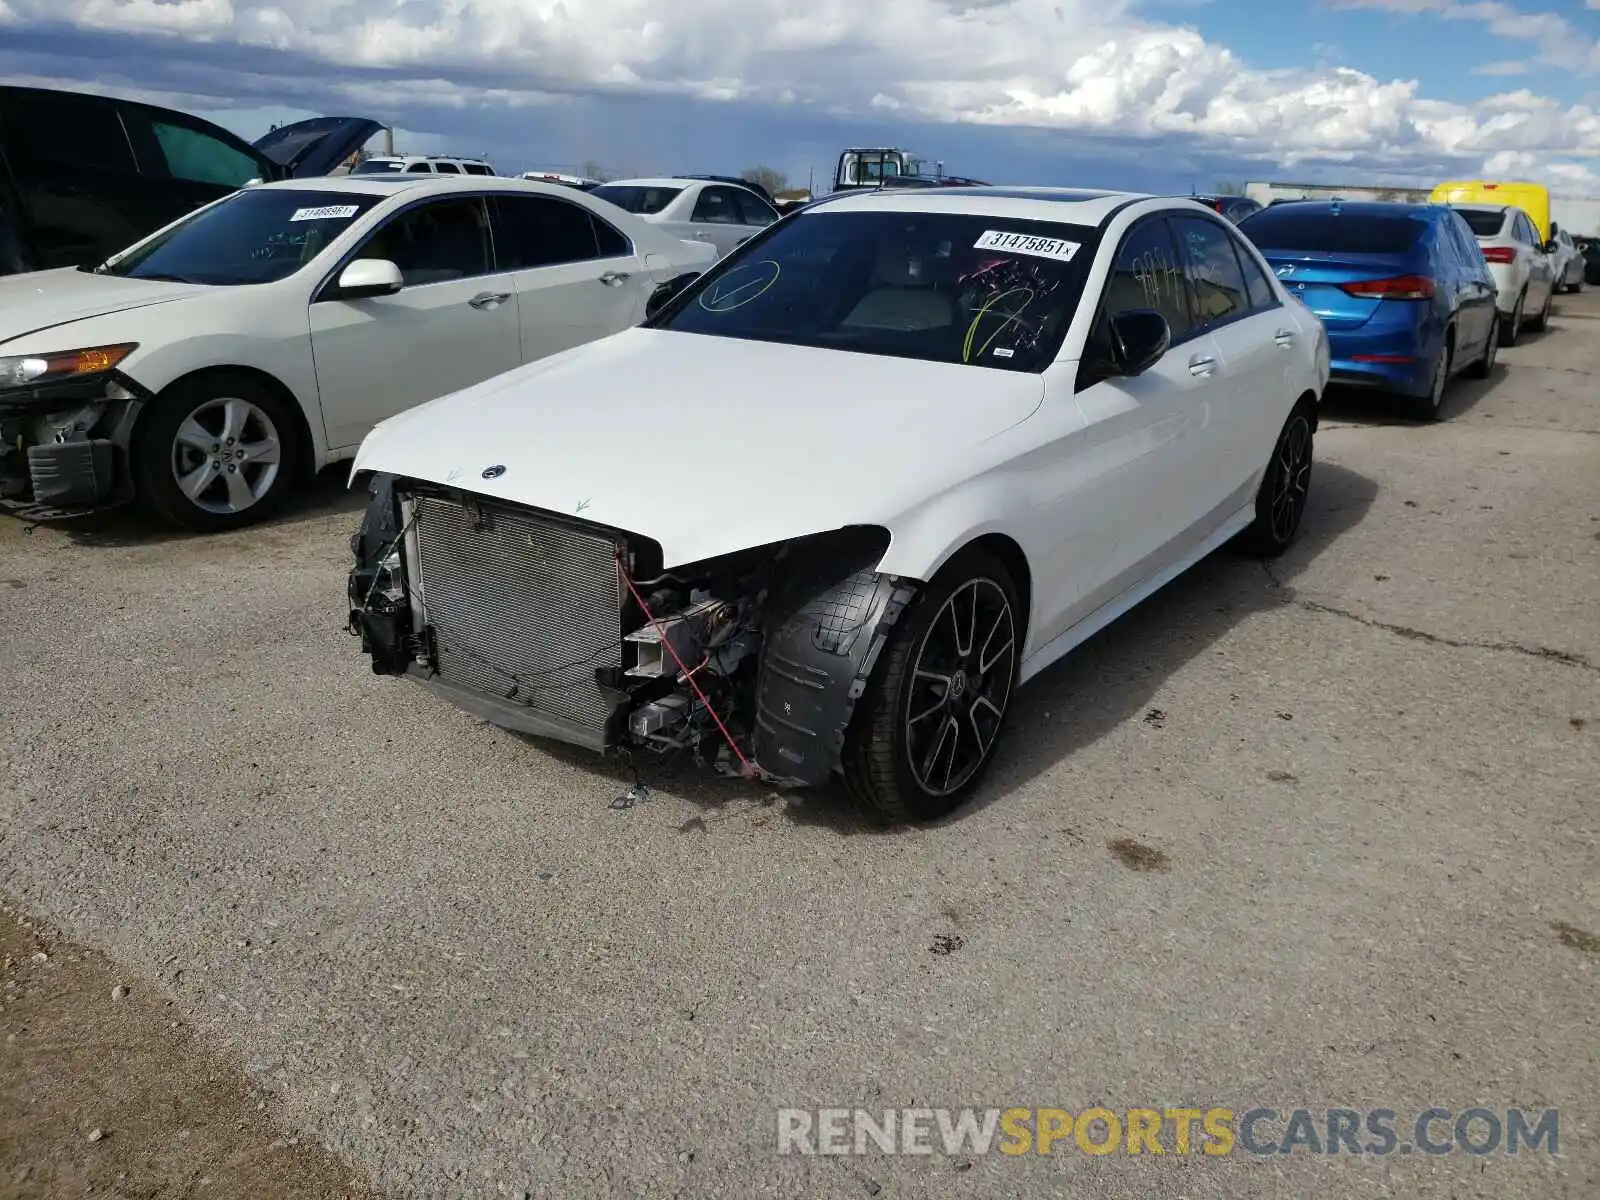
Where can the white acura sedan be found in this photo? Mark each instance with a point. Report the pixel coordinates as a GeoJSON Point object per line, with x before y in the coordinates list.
{"type": "Point", "coordinates": [211, 366]}
{"type": "Point", "coordinates": [842, 494]}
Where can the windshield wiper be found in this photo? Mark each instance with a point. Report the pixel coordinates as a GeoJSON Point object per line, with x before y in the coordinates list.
{"type": "Point", "coordinates": [161, 277]}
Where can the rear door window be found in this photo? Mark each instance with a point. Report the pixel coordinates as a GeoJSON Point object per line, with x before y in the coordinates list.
{"type": "Point", "coordinates": [1256, 285]}
{"type": "Point", "coordinates": [65, 133]}
{"type": "Point", "coordinates": [541, 231]}
{"type": "Point", "coordinates": [718, 206]}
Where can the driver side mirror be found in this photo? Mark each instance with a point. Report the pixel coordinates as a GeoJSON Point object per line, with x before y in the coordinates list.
{"type": "Point", "coordinates": [1552, 246]}
{"type": "Point", "coordinates": [667, 292]}
{"type": "Point", "coordinates": [367, 277]}
{"type": "Point", "coordinates": [1139, 337]}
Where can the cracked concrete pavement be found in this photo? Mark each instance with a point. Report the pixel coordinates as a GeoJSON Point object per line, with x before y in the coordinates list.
{"type": "Point", "coordinates": [1319, 836]}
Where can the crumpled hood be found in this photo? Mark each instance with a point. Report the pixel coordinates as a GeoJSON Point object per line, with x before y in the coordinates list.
{"type": "Point", "coordinates": [708, 444]}
{"type": "Point", "coordinates": [41, 300]}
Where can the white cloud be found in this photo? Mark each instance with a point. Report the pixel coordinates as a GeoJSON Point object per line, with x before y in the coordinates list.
{"type": "Point", "coordinates": [1093, 67]}
{"type": "Point", "coordinates": [1510, 67]}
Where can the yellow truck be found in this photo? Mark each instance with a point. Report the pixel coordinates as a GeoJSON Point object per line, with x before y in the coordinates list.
{"type": "Point", "coordinates": [1531, 198]}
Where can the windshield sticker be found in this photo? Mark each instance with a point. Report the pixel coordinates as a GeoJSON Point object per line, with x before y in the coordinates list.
{"type": "Point", "coordinates": [741, 285]}
{"type": "Point", "coordinates": [1023, 243]}
{"type": "Point", "coordinates": [333, 212]}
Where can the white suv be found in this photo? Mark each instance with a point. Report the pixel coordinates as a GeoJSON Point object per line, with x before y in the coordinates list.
{"type": "Point", "coordinates": [1524, 268]}
{"type": "Point", "coordinates": [421, 164]}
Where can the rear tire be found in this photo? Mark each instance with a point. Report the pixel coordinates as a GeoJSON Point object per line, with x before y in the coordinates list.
{"type": "Point", "coordinates": [1430, 407]}
{"type": "Point", "coordinates": [933, 713]}
{"type": "Point", "coordinates": [1285, 488]}
{"type": "Point", "coordinates": [1511, 327]}
{"type": "Point", "coordinates": [1542, 322]}
{"type": "Point", "coordinates": [1484, 366]}
{"type": "Point", "coordinates": [215, 453]}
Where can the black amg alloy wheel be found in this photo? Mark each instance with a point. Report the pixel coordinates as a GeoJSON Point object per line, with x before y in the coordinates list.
{"type": "Point", "coordinates": [932, 716]}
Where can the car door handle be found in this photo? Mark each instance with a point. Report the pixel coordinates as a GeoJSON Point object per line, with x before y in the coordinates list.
{"type": "Point", "coordinates": [1202, 365]}
{"type": "Point", "coordinates": [1284, 338]}
{"type": "Point", "coordinates": [489, 299]}
{"type": "Point", "coordinates": [614, 278]}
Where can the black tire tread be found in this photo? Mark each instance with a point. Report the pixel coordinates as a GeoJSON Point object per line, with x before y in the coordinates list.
{"type": "Point", "coordinates": [870, 770]}
{"type": "Point", "coordinates": [1256, 540]}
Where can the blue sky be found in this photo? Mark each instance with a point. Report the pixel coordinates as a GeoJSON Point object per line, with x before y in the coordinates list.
{"type": "Point", "coordinates": [1160, 94]}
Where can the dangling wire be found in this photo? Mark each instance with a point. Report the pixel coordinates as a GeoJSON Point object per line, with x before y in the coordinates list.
{"type": "Point", "coordinates": [745, 764]}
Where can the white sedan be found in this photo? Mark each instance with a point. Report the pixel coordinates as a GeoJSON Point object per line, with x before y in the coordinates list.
{"type": "Point", "coordinates": [1524, 269]}
{"type": "Point", "coordinates": [719, 212]}
{"type": "Point", "coordinates": [841, 495]}
{"type": "Point", "coordinates": [209, 367]}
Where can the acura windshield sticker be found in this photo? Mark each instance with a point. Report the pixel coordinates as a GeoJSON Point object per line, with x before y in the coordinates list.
{"type": "Point", "coordinates": [333, 212]}
{"type": "Point", "coordinates": [1023, 243]}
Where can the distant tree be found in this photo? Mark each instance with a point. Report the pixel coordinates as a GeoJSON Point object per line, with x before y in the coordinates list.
{"type": "Point", "coordinates": [1227, 188]}
{"type": "Point", "coordinates": [593, 170]}
{"type": "Point", "coordinates": [774, 181]}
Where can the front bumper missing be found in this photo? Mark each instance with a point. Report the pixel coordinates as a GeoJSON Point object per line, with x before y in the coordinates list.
{"type": "Point", "coordinates": [64, 448]}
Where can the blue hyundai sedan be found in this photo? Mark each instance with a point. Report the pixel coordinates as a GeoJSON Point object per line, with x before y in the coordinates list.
{"type": "Point", "coordinates": [1403, 290]}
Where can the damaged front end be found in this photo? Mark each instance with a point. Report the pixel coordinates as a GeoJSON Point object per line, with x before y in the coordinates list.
{"type": "Point", "coordinates": [66, 423]}
{"type": "Point", "coordinates": [751, 663]}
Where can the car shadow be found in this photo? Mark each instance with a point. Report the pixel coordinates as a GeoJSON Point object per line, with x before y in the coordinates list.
{"type": "Point", "coordinates": [327, 494]}
{"type": "Point", "coordinates": [1105, 682]}
{"type": "Point", "coordinates": [1368, 406]}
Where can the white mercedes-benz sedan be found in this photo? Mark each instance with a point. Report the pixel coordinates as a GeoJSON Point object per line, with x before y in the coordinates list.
{"type": "Point", "coordinates": [840, 496]}
{"type": "Point", "coordinates": [208, 368]}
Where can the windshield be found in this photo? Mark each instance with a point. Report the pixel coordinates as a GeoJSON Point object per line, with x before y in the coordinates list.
{"type": "Point", "coordinates": [943, 287]}
{"type": "Point", "coordinates": [1332, 231]}
{"type": "Point", "coordinates": [259, 235]}
{"type": "Point", "coordinates": [1484, 224]}
{"type": "Point", "coordinates": [642, 200]}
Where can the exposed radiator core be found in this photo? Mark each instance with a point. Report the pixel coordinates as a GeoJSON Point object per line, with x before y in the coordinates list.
{"type": "Point", "coordinates": [522, 608]}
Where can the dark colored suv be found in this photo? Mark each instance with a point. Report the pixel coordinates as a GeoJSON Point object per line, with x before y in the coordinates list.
{"type": "Point", "coordinates": [83, 176]}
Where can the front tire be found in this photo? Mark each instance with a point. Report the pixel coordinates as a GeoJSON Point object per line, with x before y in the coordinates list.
{"type": "Point", "coordinates": [1285, 488]}
{"type": "Point", "coordinates": [932, 715]}
{"type": "Point", "coordinates": [215, 453]}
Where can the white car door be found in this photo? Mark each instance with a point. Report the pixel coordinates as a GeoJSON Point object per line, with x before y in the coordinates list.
{"type": "Point", "coordinates": [1255, 341]}
{"type": "Point", "coordinates": [577, 277]}
{"type": "Point", "coordinates": [1127, 491]}
{"type": "Point", "coordinates": [452, 325]}
{"type": "Point", "coordinates": [719, 217]}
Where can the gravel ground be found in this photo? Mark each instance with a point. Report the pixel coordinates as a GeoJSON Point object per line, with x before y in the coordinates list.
{"type": "Point", "coordinates": [1363, 784]}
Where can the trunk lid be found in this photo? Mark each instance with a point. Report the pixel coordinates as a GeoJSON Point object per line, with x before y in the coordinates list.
{"type": "Point", "coordinates": [1317, 277]}
{"type": "Point", "coordinates": [315, 146]}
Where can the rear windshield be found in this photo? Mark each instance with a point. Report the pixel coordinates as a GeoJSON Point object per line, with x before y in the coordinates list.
{"type": "Point", "coordinates": [945, 287]}
{"type": "Point", "coordinates": [1484, 224]}
{"type": "Point", "coordinates": [1342, 233]}
{"type": "Point", "coordinates": [373, 166]}
{"type": "Point", "coordinates": [644, 200]}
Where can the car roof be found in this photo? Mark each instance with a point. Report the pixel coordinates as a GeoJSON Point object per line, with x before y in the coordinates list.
{"type": "Point", "coordinates": [388, 185]}
{"type": "Point", "coordinates": [1079, 206]}
{"type": "Point", "coordinates": [1499, 208]}
{"type": "Point", "coordinates": [677, 181]}
{"type": "Point", "coordinates": [1421, 210]}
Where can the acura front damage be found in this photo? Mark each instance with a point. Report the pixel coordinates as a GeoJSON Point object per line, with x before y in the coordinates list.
{"type": "Point", "coordinates": [751, 662]}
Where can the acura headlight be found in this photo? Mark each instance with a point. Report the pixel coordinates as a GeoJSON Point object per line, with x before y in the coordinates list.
{"type": "Point", "coordinates": [31, 370]}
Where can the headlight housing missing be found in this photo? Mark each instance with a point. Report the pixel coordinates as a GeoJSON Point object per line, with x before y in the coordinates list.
{"type": "Point", "coordinates": [33, 370]}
